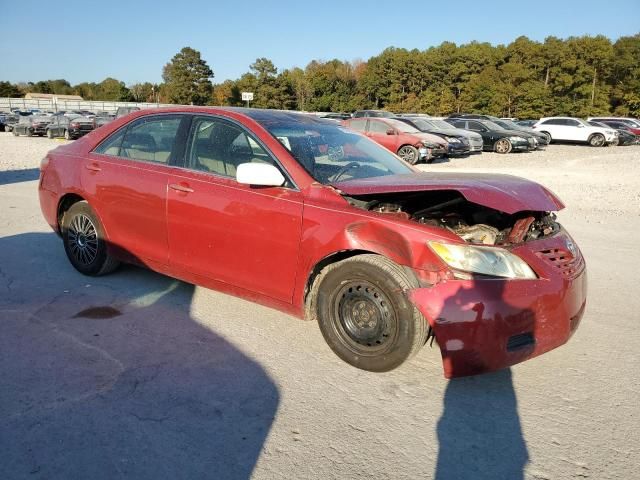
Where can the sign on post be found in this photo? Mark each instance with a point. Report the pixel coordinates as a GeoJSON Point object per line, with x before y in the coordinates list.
{"type": "Point", "coordinates": [247, 97]}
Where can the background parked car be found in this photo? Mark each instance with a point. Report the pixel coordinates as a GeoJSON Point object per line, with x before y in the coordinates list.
{"type": "Point", "coordinates": [458, 144]}
{"type": "Point", "coordinates": [78, 127]}
{"type": "Point", "coordinates": [632, 122]}
{"type": "Point", "coordinates": [526, 123]}
{"type": "Point", "coordinates": [406, 141]}
{"type": "Point", "coordinates": [576, 130]}
{"type": "Point", "coordinates": [58, 126]}
{"type": "Point", "coordinates": [625, 137]}
{"type": "Point", "coordinates": [495, 138]}
{"type": "Point", "coordinates": [31, 125]}
{"type": "Point", "coordinates": [102, 120]}
{"type": "Point", "coordinates": [507, 124]}
{"type": "Point", "coordinates": [9, 121]}
{"type": "Point", "coordinates": [618, 125]}
{"type": "Point", "coordinates": [372, 113]}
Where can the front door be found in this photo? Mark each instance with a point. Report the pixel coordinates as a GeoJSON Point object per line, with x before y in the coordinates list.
{"type": "Point", "coordinates": [241, 235]}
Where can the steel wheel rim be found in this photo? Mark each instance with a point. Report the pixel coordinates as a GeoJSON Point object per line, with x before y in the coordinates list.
{"type": "Point", "coordinates": [82, 239]}
{"type": "Point", "coordinates": [407, 154]}
{"type": "Point", "coordinates": [364, 318]}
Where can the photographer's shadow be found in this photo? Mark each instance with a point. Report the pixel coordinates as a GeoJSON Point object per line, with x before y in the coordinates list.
{"type": "Point", "coordinates": [479, 433]}
{"type": "Point", "coordinates": [111, 377]}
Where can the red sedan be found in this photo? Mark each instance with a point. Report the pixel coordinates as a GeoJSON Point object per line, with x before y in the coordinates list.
{"type": "Point", "coordinates": [412, 145]}
{"type": "Point", "coordinates": [305, 216]}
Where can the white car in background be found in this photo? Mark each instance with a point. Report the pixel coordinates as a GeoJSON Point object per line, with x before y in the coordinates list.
{"type": "Point", "coordinates": [570, 129]}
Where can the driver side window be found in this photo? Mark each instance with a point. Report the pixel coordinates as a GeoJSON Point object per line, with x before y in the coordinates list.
{"type": "Point", "coordinates": [376, 126]}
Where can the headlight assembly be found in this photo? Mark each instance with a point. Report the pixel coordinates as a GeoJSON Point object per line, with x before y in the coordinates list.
{"type": "Point", "coordinates": [493, 261]}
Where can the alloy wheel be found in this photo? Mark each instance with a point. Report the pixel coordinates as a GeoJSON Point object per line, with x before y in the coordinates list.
{"type": "Point", "coordinates": [82, 239]}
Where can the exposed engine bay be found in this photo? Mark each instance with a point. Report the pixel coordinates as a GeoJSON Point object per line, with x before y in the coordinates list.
{"type": "Point", "coordinates": [473, 223]}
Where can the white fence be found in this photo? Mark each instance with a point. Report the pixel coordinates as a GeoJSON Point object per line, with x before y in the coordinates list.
{"type": "Point", "coordinates": [8, 104]}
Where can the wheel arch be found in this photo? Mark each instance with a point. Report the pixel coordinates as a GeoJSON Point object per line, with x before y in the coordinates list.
{"type": "Point", "coordinates": [64, 204]}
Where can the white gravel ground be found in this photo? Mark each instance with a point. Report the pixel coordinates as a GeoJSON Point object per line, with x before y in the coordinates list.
{"type": "Point", "coordinates": [190, 383]}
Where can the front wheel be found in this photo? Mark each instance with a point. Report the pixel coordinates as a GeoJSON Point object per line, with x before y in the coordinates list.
{"type": "Point", "coordinates": [84, 241]}
{"type": "Point", "coordinates": [15, 132]}
{"type": "Point", "coordinates": [409, 154]}
{"type": "Point", "coordinates": [596, 140]}
{"type": "Point", "coordinates": [503, 146]}
{"type": "Point", "coordinates": [364, 314]}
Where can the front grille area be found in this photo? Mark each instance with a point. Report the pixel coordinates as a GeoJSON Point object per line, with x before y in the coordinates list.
{"type": "Point", "coordinates": [569, 265]}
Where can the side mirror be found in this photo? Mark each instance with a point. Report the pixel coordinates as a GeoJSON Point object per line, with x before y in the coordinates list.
{"type": "Point", "coordinates": [580, 125]}
{"type": "Point", "coordinates": [391, 131]}
{"type": "Point", "coordinates": [261, 174]}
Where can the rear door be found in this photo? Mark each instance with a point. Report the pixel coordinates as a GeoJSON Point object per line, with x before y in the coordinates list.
{"type": "Point", "coordinates": [126, 178]}
{"type": "Point", "coordinates": [244, 236]}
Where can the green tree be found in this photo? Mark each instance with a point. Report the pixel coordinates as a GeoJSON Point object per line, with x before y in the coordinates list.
{"type": "Point", "coordinates": [8, 89]}
{"type": "Point", "coordinates": [187, 78]}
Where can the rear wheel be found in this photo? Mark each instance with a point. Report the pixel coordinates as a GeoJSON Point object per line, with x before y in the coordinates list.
{"type": "Point", "coordinates": [365, 315]}
{"type": "Point", "coordinates": [49, 133]}
{"type": "Point", "coordinates": [15, 132]}
{"type": "Point", "coordinates": [66, 135]}
{"type": "Point", "coordinates": [84, 241]}
{"type": "Point", "coordinates": [596, 140]}
{"type": "Point", "coordinates": [409, 154]}
{"type": "Point", "coordinates": [502, 146]}
{"type": "Point", "coordinates": [29, 133]}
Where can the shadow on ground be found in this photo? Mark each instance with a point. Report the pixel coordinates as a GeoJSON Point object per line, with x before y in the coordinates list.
{"type": "Point", "coordinates": [16, 176]}
{"type": "Point", "coordinates": [479, 433]}
{"type": "Point", "coordinates": [111, 377]}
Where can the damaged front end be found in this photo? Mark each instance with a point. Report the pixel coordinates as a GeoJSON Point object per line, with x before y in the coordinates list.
{"type": "Point", "coordinates": [516, 282]}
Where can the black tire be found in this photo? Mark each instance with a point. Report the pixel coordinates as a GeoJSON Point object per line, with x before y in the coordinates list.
{"type": "Point", "coordinates": [84, 242]}
{"type": "Point", "coordinates": [502, 146]}
{"type": "Point", "coordinates": [548, 135]}
{"type": "Point", "coordinates": [409, 154]}
{"type": "Point", "coordinates": [66, 135]}
{"type": "Point", "coordinates": [49, 133]}
{"type": "Point", "coordinates": [597, 140]}
{"type": "Point", "coordinates": [364, 314]}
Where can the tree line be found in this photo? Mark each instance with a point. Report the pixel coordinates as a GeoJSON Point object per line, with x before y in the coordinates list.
{"type": "Point", "coordinates": [578, 76]}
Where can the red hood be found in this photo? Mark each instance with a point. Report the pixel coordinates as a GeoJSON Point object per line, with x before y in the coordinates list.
{"type": "Point", "coordinates": [505, 193]}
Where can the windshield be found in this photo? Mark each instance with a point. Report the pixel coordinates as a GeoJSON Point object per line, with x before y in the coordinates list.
{"type": "Point", "coordinates": [330, 152]}
{"type": "Point", "coordinates": [492, 125]}
{"type": "Point", "coordinates": [441, 124]}
{"type": "Point", "coordinates": [509, 125]}
{"type": "Point", "coordinates": [401, 126]}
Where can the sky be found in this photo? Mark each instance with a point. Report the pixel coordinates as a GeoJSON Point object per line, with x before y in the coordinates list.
{"type": "Point", "coordinates": [132, 40]}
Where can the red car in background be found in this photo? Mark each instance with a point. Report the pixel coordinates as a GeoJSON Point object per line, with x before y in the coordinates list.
{"type": "Point", "coordinates": [409, 143]}
{"type": "Point", "coordinates": [305, 216]}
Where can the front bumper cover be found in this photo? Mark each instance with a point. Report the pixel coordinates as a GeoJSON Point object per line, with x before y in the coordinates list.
{"type": "Point", "coordinates": [487, 324]}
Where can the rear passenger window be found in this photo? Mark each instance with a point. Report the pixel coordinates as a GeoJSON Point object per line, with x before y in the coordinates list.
{"type": "Point", "coordinates": [378, 127]}
{"type": "Point", "coordinates": [358, 125]}
{"type": "Point", "coordinates": [219, 147]}
{"type": "Point", "coordinates": [151, 140]}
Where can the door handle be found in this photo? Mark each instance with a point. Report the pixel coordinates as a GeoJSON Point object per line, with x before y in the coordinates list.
{"type": "Point", "coordinates": [181, 188]}
{"type": "Point", "coordinates": [94, 167]}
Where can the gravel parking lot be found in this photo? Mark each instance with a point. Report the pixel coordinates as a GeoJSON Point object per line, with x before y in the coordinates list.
{"type": "Point", "coordinates": [135, 375]}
